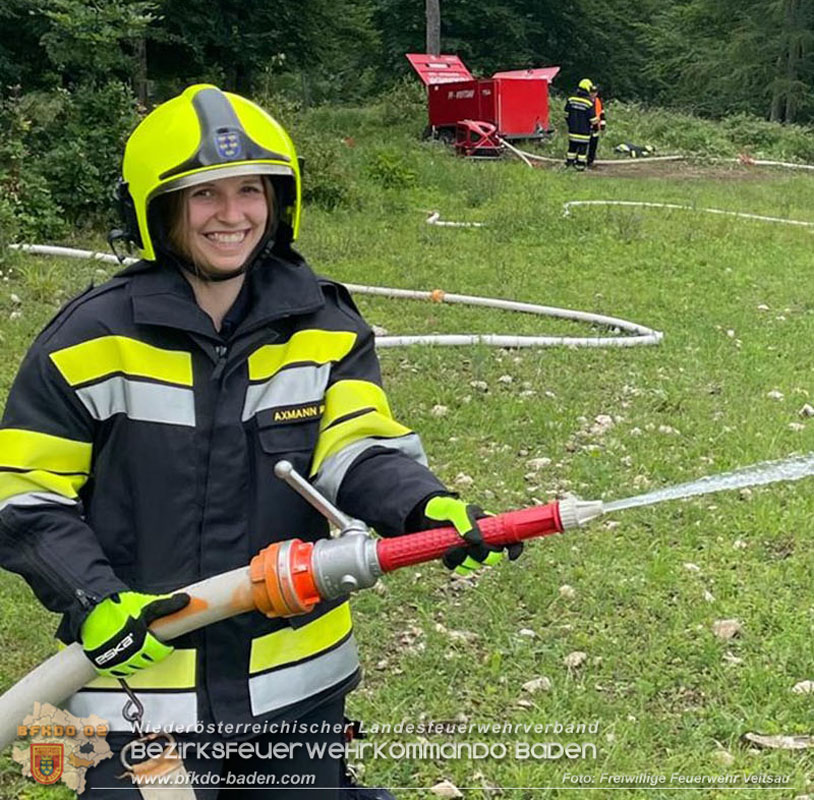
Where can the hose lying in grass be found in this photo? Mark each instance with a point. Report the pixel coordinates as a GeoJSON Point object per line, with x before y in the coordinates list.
{"type": "Point", "coordinates": [640, 335]}
{"type": "Point", "coordinates": [637, 204]}
{"type": "Point", "coordinates": [607, 162]}
{"type": "Point", "coordinates": [744, 160]}
{"type": "Point", "coordinates": [435, 219]}
{"type": "Point", "coordinates": [522, 155]}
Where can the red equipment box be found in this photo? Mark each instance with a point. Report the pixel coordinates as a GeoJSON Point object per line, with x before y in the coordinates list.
{"type": "Point", "coordinates": [515, 102]}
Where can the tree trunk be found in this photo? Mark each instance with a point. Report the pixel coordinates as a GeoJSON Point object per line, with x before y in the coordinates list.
{"type": "Point", "coordinates": [140, 77]}
{"type": "Point", "coordinates": [793, 40]}
{"type": "Point", "coordinates": [776, 110]}
{"type": "Point", "coordinates": [433, 27]}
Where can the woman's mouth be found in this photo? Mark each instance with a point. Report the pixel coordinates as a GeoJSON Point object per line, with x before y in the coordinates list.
{"type": "Point", "coordinates": [227, 238]}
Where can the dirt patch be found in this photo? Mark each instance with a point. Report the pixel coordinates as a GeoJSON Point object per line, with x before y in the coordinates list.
{"type": "Point", "coordinates": [681, 170]}
{"type": "Point", "coordinates": [676, 170]}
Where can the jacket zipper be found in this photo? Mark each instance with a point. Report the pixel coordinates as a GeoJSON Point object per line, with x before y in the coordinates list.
{"type": "Point", "coordinates": [56, 579]}
{"type": "Point", "coordinates": [221, 350]}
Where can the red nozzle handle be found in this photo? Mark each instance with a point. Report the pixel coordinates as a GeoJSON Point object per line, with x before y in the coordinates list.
{"type": "Point", "coordinates": [498, 531]}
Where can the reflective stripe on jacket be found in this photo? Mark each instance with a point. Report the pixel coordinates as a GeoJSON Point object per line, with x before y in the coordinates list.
{"type": "Point", "coordinates": [137, 451]}
{"type": "Point", "coordinates": [579, 114]}
{"type": "Point", "coordinates": [599, 116]}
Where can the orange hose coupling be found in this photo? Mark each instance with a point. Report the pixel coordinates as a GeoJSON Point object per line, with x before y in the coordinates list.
{"type": "Point", "coordinates": [282, 579]}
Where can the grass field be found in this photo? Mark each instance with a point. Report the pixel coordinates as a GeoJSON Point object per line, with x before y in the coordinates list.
{"type": "Point", "coordinates": [735, 300]}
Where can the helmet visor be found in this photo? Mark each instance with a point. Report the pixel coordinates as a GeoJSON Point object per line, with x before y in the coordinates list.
{"type": "Point", "coordinates": [216, 173]}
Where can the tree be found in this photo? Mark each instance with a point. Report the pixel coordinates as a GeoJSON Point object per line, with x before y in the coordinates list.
{"type": "Point", "coordinates": [234, 42]}
{"type": "Point", "coordinates": [21, 62]}
{"type": "Point", "coordinates": [792, 65]}
{"type": "Point", "coordinates": [718, 57]}
{"type": "Point", "coordinates": [95, 40]}
{"type": "Point", "coordinates": [433, 27]}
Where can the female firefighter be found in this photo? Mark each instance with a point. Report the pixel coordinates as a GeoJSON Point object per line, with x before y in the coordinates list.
{"type": "Point", "coordinates": [138, 443]}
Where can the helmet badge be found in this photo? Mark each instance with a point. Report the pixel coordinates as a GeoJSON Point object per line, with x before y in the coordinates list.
{"type": "Point", "coordinates": [228, 144]}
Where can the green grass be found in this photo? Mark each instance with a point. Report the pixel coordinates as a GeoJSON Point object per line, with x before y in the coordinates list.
{"type": "Point", "coordinates": [656, 679]}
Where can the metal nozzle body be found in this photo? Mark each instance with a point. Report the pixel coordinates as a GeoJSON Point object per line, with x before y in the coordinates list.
{"type": "Point", "coordinates": [345, 565]}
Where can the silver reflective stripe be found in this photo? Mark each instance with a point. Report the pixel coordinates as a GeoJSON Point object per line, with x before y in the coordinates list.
{"type": "Point", "coordinates": [36, 499]}
{"type": "Point", "coordinates": [139, 400]}
{"type": "Point", "coordinates": [282, 687]}
{"type": "Point", "coordinates": [333, 469]}
{"type": "Point", "coordinates": [161, 709]}
{"type": "Point", "coordinates": [290, 387]}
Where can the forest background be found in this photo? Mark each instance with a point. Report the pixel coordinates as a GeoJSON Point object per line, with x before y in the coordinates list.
{"type": "Point", "coordinates": [75, 74]}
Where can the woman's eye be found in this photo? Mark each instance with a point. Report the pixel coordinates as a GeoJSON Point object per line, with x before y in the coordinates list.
{"type": "Point", "coordinates": [251, 189]}
{"type": "Point", "coordinates": [202, 193]}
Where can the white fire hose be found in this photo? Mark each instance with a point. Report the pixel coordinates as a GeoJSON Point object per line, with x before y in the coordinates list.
{"type": "Point", "coordinates": [638, 204]}
{"type": "Point", "coordinates": [746, 161]}
{"type": "Point", "coordinates": [65, 672]}
{"type": "Point", "coordinates": [640, 335]}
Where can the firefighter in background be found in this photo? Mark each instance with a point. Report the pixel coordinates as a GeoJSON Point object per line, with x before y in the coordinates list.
{"type": "Point", "coordinates": [139, 439]}
{"type": "Point", "coordinates": [581, 118]}
{"type": "Point", "coordinates": [635, 150]}
{"type": "Point", "coordinates": [598, 127]}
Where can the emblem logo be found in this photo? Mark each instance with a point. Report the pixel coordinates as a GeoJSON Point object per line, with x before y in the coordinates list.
{"type": "Point", "coordinates": [114, 651]}
{"type": "Point", "coordinates": [47, 762]}
{"type": "Point", "coordinates": [227, 143]}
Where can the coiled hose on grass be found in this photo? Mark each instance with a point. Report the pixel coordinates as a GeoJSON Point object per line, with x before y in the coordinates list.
{"type": "Point", "coordinates": [639, 334]}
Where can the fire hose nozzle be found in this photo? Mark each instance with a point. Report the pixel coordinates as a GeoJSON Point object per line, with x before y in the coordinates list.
{"type": "Point", "coordinates": [576, 513]}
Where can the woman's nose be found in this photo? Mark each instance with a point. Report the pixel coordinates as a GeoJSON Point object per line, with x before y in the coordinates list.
{"type": "Point", "coordinates": [230, 209]}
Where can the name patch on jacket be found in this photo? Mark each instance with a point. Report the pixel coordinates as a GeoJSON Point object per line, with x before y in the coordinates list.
{"type": "Point", "coordinates": [283, 415]}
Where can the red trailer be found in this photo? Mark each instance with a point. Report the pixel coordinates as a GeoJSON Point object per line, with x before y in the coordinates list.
{"type": "Point", "coordinates": [515, 102]}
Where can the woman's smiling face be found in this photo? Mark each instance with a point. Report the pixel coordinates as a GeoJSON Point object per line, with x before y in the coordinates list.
{"type": "Point", "coordinates": [226, 219]}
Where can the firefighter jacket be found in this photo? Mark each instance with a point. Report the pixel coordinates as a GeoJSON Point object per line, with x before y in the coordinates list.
{"type": "Point", "coordinates": [599, 115]}
{"type": "Point", "coordinates": [137, 449]}
{"type": "Point", "coordinates": [580, 116]}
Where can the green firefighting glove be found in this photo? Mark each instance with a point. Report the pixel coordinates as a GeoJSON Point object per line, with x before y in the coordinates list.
{"type": "Point", "coordinates": [115, 636]}
{"type": "Point", "coordinates": [476, 553]}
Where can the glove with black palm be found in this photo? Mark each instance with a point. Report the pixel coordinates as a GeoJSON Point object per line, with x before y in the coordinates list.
{"type": "Point", "coordinates": [115, 634]}
{"type": "Point", "coordinates": [473, 555]}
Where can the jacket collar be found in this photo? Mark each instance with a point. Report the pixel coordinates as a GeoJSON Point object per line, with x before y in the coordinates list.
{"type": "Point", "coordinates": [279, 288]}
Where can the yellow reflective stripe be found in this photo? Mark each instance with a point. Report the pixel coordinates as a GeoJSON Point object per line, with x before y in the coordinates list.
{"type": "Point", "coordinates": [343, 398]}
{"type": "Point", "coordinates": [21, 449]}
{"type": "Point", "coordinates": [295, 644]}
{"type": "Point", "coordinates": [368, 425]}
{"type": "Point", "coordinates": [176, 671]}
{"type": "Point", "coordinates": [14, 483]}
{"type": "Point", "coordinates": [308, 346]}
{"type": "Point", "coordinates": [111, 354]}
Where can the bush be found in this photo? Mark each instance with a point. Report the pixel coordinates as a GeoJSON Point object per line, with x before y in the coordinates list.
{"type": "Point", "coordinates": [406, 101]}
{"type": "Point", "coordinates": [60, 153]}
{"type": "Point", "coordinates": [326, 180]}
{"type": "Point", "coordinates": [391, 169]}
{"type": "Point", "coordinates": [27, 207]}
{"type": "Point", "coordinates": [81, 149]}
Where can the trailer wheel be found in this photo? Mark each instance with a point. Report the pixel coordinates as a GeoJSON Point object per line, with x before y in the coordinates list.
{"type": "Point", "coordinates": [446, 135]}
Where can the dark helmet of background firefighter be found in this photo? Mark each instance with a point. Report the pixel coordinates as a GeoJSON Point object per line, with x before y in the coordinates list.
{"type": "Point", "coordinates": [203, 135]}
